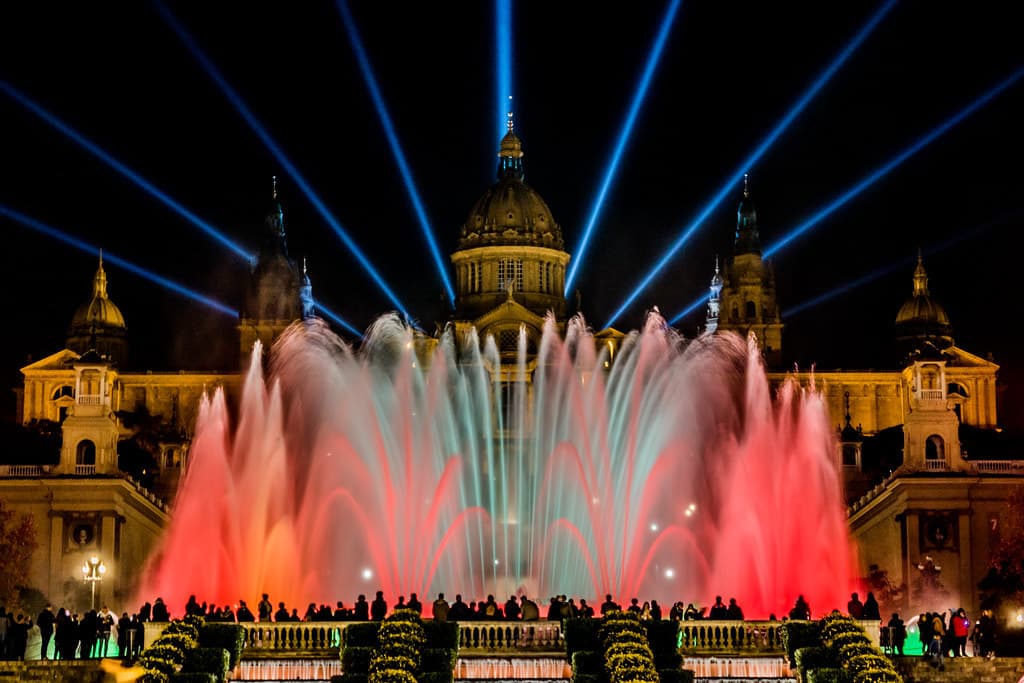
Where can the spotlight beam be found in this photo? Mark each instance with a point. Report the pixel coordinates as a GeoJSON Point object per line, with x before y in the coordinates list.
{"type": "Point", "coordinates": [754, 156]}
{"type": "Point", "coordinates": [902, 263]}
{"type": "Point", "coordinates": [883, 170]}
{"type": "Point", "coordinates": [279, 154]}
{"type": "Point", "coordinates": [121, 168]}
{"type": "Point", "coordinates": [502, 60]}
{"type": "Point", "coordinates": [396, 148]}
{"type": "Point", "coordinates": [876, 175]}
{"type": "Point", "coordinates": [82, 245]}
{"type": "Point", "coordinates": [624, 133]}
{"type": "Point", "coordinates": [333, 317]}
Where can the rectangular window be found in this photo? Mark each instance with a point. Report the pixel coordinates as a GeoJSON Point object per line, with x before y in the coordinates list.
{"type": "Point", "coordinates": [510, 271]}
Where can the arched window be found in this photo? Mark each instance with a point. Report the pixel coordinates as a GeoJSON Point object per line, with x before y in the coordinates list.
{"type": "Point", "coordinates": [60, 392]}
{"type": "Point", "coordinates": [751, 310]}
{"type": "Point", "coordinates": [934, 448]}
{"type": "Point", "coordinates": [849, 455]}
{"type": "Point", "coordinates": [735, 312]}
{"type": "Point", "coordinates": [85, 453]}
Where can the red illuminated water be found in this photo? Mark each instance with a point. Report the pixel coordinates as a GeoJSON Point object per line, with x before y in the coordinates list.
{"type": "Point", "coordinates": [675, 474]}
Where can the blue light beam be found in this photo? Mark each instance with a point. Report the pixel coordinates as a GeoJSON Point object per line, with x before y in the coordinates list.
{"type": "Point", "coordinates": [876, 175]}
{"type": "Point", "coordinates": [279, 154]}
{"type": "Point", "coordinates": [332, 316]}
{"type": "Point", "coordinates": [758, 152]}
{"type": "Point", "coordinates": [502, 61]}
{"type": "Point", "coordinates": [620, 145]}
{"type": "Point", "coordinates": [82, 245]}
{"type": "Point", "coordinates": [121, 168]}
{"type": "Point", "coordinates": [396, 147]}
{"type": "Point", "coordinates": [902, 263]}
{"type": "Point", "coordinates": [883, 170]}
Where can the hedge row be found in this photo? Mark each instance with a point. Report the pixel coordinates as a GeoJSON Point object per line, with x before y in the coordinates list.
{"type": "Point", "coordinates": [365, 643]}
{"type": "Point", "coordinates": [836, 649]}
{"type": "Point", "coordinates": [192, 651]}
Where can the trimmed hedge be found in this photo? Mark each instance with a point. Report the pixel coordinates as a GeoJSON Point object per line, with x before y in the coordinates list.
{"type": "Point", "coordinates": [587, 662]}
{"type": "Point", "coordinates": [438, 660]}
{"type": "Point", "coordinates": [676, 675]}
{"type": "Point", "coordinates": [798, 634]}
{"type": "Point", "coordinates": [581, 634]}
{"type": "Point", "coordinates": [230, 637]}
{"type": "Point", "coordinates": [436, 677]}
{"type": "Point", "coordinates": [212, 660]}
{"type": "Point", "coordinates": [813, 658]}
{"type": "Point", "coordinates": [442, 634]}
{"type": "Point", "coordinates": [632, 665]}
{"type": "Point", "coordinates": [361, 634]}
{"type": "Point", "coordinates": [356, 659]}
{"type": "Point", "coordinates": [825, 676]}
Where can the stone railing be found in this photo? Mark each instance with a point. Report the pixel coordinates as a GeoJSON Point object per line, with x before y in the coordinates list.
{"type": "Point", "coordinates": [293, 637]}
{"type": "Point", "coordinates": [742, 637]}
{"type": "Point", "coordinates": [999, 466]}
{"type": "Point", "coordinates": [510, 636]}
{"type": "Point", "coordinates": [87, 470]}
{"type": "Point", "coordinates": [22, 470]}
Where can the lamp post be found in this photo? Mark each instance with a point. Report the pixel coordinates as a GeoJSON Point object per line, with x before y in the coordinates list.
{"type": "Point", "coordinates": [93, 571]}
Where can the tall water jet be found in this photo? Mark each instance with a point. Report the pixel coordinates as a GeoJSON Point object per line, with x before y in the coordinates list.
{"type": "Point", "coordinates": [670, 472]}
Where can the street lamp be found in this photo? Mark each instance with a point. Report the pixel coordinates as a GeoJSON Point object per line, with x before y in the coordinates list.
{"type": "Point", "coordinates": [93, 571]}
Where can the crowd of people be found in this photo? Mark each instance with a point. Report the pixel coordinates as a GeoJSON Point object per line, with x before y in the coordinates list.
{"type": "Point", "coordinates": [68, 635]}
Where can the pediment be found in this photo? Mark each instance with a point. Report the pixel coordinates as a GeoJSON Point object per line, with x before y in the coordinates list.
{"type": "Point", "coordinates": [61, 360]}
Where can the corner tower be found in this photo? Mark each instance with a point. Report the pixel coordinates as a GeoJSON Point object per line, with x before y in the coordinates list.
{"type": "Point", "coordinates": [748, 303]}
{"type": "Point", "coordinates": [274, 294]}
{"type": "Point", "coordinates": [510, 258]}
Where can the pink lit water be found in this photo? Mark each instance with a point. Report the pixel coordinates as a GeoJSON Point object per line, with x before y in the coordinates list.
{"type": "Point", "coordinates": [675, 474]}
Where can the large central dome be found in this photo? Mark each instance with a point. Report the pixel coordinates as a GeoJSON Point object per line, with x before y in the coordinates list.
{"type": "Point", "coordinates": [510, 213]}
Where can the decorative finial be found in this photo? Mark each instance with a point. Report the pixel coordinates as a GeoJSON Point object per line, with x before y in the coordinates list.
{"type": "Point", "coordinates": [305, 272]}
{"type": "Point", "coordinates": [508, 117]}
{"type": "Point", "coordinates": [846, 400]}
{"type": "Point", "coordinates": [273, 194]}
{"type": "Point", "coordinates": [746, 185]}
{"type": "Point", "coordinates": [716, 264]}
{"type": "Point", "coordinates": [101, 257]}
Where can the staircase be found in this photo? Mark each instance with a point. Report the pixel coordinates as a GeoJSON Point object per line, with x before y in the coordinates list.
{"type": "Point", "coordinates": [959, 669]}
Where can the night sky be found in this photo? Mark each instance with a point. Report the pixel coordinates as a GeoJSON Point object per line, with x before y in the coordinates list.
{"type": "Point", "coordinates": [118, 74]}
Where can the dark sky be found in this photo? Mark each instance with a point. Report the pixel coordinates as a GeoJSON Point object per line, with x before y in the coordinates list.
{"type": "Point", "coordinates": [730, 70]}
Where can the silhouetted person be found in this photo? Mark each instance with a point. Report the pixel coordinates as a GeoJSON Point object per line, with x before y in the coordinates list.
{"type": "Point", "coordinates": [734, 611]}
{"type": "Point", "coordinates": [585, 609]}
{"type": "Point", "coordinates": [718, 611]}
{"type": "Point", "coordinates": [655, 611]}
{"type": "Point", "coordinates": [554, 610]}
{"type": "Point", "coordinates": [608, 605]}
{"type": "Point", "coordinates": [124, 629]}
{"type": "Point", "coordinates": [801, 610]}
{"type": "Point", "coordinates": [244, 614]}
{"type": "Point", "coordinates": [439, 609]}
{"type": "Point", "coordinates": [414, 603]}
{"type": "Point", "coordinates": [340, 613]}
{"type": "Point", "coordinates": [897, 633]}
{"type": "Point", "coordinates": [379, 607]}
{"type": "Point", "coordinates": [265, 609]}
{"type": "Point", "coordinates": [512, 610]}
{"type": "Point", "coordinates": [634, 606]}
{"type": "Point", "coordinates": [87, 629]}
{"type": "Point", "coordinates": [529, 609]}
{"type": "Point", "coordinates": [45, 621]}
{"type": "Point", "coordinates": [871, 611]}
{"type": "Point", "coordinates": [160, 611]}
{"type": "Point", "coordinates": [459, 610]}
{"type": "Point", "coordinates": [855, 607]}
{"type": "Point", "coordinates": [104, 625]}
{"type": "Point", "coordinates": [691, 613]}
{"type": "Point", "coordinates": [282, 613]}
{"type": "Point", "coordinates": [361, 610]}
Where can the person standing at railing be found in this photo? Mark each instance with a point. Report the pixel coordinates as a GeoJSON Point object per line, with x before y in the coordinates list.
{"type": "Point", "coordinates": [244, 614]}
{"type": "Point", "coordinates": [531, 612]}
{"type": "Point", "coordinates": [855, 608]}
{"type": "Point", "coordinates": [512, 610]}
{"type": "Point", "coordinates": [414, 604]}
{"type": "Point", "coordinates": [439, 610]}
{"type": "Point", "coordinates": [265, 608]}
{"type": "Point", "coordinates": [801, 610]}
{"type": "Point", "coordinates": [871, 610]}
{"type": "Point", "coordinates": [734, 611]}
{"type": "Point", "coordinates": [282, 613]}
{"type": "Point", "coordinates": [586, 610]}
{"type": "Point", "coordinates": [379, 607]}
{"type": "Point", "coordinates": [655, 611]}
{"type": "Point", "coordinates": [608, 605]}
{"type": "Point", "coordinates": [361, 611]}
{"type": "Point", "coordinates": [719, 611]}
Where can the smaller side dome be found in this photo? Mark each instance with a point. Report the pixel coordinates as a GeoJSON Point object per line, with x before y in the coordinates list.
{"type": "Point", "coordinates": [921, 318]}
{"type": "Point", "coordinates": [98, 324]}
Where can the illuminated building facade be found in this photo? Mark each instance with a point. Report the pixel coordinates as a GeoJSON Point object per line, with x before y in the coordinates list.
{"type": "Point", "coordinates": [923, 474]}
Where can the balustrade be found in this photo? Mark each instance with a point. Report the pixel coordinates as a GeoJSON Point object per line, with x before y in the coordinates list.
{"type": "Point", "coordinates": [510, 636]}
{"type": "Point", "coordinates": [21, 470]}
{"type": "Point", "coordinates": [85, 469]}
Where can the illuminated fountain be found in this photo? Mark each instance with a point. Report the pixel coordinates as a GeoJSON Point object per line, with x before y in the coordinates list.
{"type": "Point", "coordinates": [671, 473]}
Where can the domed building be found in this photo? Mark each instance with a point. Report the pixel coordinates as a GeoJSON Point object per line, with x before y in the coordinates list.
{"type": "Point", "coordinates": [510, 259]}
{"type": "Point", "coordinates": [98, 325]}
{"type": "Point", "coordinates": [922, 325]}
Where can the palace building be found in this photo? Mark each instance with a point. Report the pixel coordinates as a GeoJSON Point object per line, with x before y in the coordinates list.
{"type": "Point", "coordinates": [926, 470]}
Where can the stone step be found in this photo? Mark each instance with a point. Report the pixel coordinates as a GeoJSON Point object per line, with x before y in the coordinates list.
{"type": "Point", "coordinates": [974, 669]}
